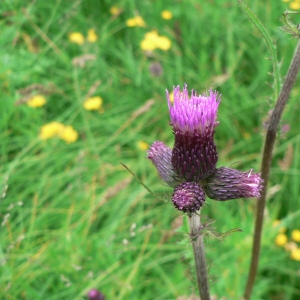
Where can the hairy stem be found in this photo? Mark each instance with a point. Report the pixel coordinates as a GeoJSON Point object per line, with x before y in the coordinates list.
{"type": "Point", "coordinates": [266, 164]}
{"type": "Point", "coordinates": [199, 255]}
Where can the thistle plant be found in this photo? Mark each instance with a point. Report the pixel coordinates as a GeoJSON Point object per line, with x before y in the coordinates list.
{"type": "Point", "coordinates": [190, 166]}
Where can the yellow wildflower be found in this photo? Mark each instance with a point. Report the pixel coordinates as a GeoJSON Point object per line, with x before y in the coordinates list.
{"type": "Point", "coordinates": [153, 41]}
{"type": "Point", "coordinates": [167, 15]}
{"type": "Point", "coordinates": [92, 36]}
{"type": "Point", "coordinates": [76, 37]}
{"type": "Point", "coordinates": [68, 134]}
{"type": "Point", "coordinates": [50, 130]}
{"type": "Point", "coordinates": [295, 5]}
{"type": "Point", "coordinates": [143, 145]}
{"type": "Point", "coordinates": [296, 235]}
{"type": "Point", "coordinates": [114, 10]}
{"type": "Point", "coordinates": [171, 97]}
{"type": "Point", "coordinates": [93, 103]}
{"type": "Point", "coordinates": [163, 43]}
{"type": "Point", "coordinates": [136, 21]}
{"type": "Point", "coordinates": [37, 101]}
{"type": "Point", "coordinates": [281, 239]}
{"type": "Point", "coordinates": [295, 254]}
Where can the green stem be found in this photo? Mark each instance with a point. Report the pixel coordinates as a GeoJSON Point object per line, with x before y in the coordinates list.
{"type": "Point", "coordinates": [266, 164]}
{"type": "Point", "coordinates": [199, 255]}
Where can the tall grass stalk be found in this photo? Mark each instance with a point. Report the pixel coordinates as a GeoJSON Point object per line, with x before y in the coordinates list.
{"type": "Point", "coordinates": [266, 164]}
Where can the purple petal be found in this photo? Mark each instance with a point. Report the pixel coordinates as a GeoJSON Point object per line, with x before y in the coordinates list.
{"type": "Point", "coordinates": [195, 114]}
{"type": "Point", "coordinates": [225, 184]}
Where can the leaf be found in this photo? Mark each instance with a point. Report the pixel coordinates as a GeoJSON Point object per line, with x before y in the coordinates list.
{"type": "Point", "coordinates": [144, 185]}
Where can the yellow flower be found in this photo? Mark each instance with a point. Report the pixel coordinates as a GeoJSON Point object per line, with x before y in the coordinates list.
{"type": "Point", "coordinates": [143, 145]}
{"type": "Point", "coordinates": [37, 101]}
{"type": "Point", "coordinates": [295, 254]}
{"type": "Point", "coordinates": [114, 10]}
{"type": "Point", "coordinates": [164, 43]}
{"type": "Point", "coordinates": [76, 37]}
{"type": "Point", "coordinates": [167, 15]}
{"type": "Point", "coordinates": [296, 235]}
{"type": "Point", "coordinates": [281, 239]}
{"type": "Point", "coordinates": [153, 41]}
{"type": "Point", "coordinates": [295, 5]}
{"type": "Point", "coordinates": [68, 134]}
{"type": "Point", "coordinates": [136, 21]}
{"type": "Point", "coordinates": [92, 36]}
{"type": "Point", "coordinates": [50, 130]}
{"type": "Point", "coordinates": [171, 96]}
{"type": "Point", "coordinates": [93, 103]}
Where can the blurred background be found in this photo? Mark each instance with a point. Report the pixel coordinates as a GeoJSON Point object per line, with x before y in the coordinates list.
{"type": "Point", "coordinates": [83, 89]}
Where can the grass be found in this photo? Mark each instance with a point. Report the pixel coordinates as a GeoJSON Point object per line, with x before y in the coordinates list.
{"type": "Point", "coordinates": [72, 218]}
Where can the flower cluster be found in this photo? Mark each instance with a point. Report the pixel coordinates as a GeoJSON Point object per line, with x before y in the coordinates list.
{"type": "Point", "coordinates": [78, 37]}
{"type": "Point", "coordinates": [137, 21]}
{"type": "Point", "coordinates": [291, 245]}
{"type": "Point", "coordinates": [190, 167]}
{"type": "Point", "coordinates": [56, 129]}
{"type": "Point", "coordinates": [152, 40]}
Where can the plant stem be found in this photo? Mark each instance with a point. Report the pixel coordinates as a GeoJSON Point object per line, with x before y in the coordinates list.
{"type": "Point", "coordinates": [199, 255]}
{"type": "Point", "coordinates": [266, 164]}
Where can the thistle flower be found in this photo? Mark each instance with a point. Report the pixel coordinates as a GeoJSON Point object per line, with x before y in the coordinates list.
{"type": "Point", "coordinates": [190, 167]}
{"type": "Point", "coordinates": [95, 295]}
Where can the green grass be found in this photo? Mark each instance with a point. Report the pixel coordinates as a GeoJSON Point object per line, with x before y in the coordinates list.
{"type": "Point", "coordinates": [73, 218]}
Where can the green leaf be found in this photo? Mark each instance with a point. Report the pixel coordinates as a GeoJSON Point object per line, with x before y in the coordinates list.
{"type": "Point", "coordinates": [145, 186]}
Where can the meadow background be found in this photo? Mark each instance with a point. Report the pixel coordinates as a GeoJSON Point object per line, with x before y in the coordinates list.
{"type": "Point", "coordinates": [72, 218]}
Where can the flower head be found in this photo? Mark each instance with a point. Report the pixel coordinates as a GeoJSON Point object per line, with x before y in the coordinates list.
{"type": "Point", "coordinates": [167, 15]}
{"type": "Point", "coordinates": [37, 101]}
{"type": "Point", "coordinates": [68, 134]}
{"type": "Point", "coordinates": [93, 103]}
{"type": "Point", "coordinates": [193, 119]}
{"type": "Point", "coordinates": [95, 295]}
{"type": "Point", "coordinates": [295, 254]}
{"type": "Point", "coordinates": [56, 129]}
{"type": "Point", "coordinates": [137, 21]}
{"type": "Point", "coordinates": [296, 235]}
{"type": "Point", "coordinates": [50, 130]}
{"type": "Point", "coordinates": [152, 40]}
{"type": "Point", "coordinates": [190, 167]}
{"type": "Point", "coordinates": [115, 11]}
{"type": "Point", "coordinates": [92, 36]}
{"type": "Point", "coordinates": [281, 239]}
{"type": "Point", "coordinates": [76, 37]}
{"type": "Point", "coordinates": [142, 145]}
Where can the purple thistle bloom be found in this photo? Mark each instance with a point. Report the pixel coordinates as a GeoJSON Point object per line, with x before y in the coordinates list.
{"type": "Point", "coordinates": [226, 184]}
{"type": "Point", "coordinates": [190, 167]}
{"type": "Point", "coordinates": [194, 155]}
{"type": "Point", "coordinates": [188, 196]}
{"type": "Point", "coordinates": [95, 295]}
